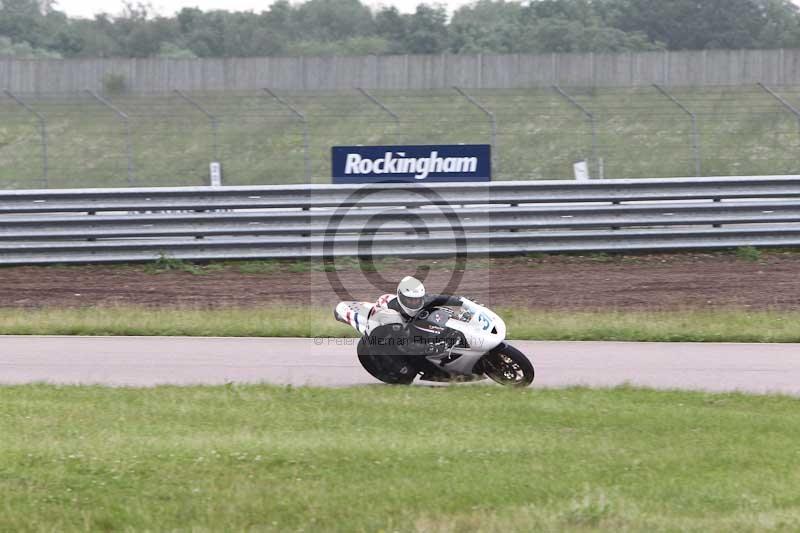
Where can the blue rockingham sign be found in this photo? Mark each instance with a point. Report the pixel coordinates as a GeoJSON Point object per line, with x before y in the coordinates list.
{"type": "Point", "coordinates": [413, 163]}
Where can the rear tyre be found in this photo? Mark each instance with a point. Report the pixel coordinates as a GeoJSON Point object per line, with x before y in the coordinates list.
{"type": "Point", "coordinates": [508, 366]}
{"type": "Point", "coordinates": [391, 369]}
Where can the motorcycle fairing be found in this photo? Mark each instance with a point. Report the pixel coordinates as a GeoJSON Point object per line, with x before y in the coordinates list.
{"type": "Point", "coordinates": [482, 329]}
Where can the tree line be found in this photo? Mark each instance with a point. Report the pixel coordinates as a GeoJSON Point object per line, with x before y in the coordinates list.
{"type": "Point", "coordinates": [34, 28]}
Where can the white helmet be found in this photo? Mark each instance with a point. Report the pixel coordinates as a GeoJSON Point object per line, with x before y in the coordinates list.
{"type": "Point", "coordinates": [411, 295]}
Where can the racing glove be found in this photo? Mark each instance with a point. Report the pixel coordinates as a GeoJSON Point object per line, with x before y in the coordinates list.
{"type": "Point", "coordinates": [468, 305]}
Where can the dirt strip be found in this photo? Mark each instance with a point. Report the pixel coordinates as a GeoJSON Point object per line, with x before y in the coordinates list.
{"type": "Point", "coordinates": [648, 282]}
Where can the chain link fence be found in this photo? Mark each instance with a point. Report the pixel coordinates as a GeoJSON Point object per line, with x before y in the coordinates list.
{"type": "Point", "coordinates": [90, 139]}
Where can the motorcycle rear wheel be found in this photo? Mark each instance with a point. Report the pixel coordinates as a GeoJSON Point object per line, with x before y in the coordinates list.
{"type": "Point", "coordinates": [508, 366]}
{"type": "Point", "coordinates": [391, 369]}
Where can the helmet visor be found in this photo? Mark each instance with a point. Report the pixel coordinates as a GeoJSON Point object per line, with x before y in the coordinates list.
{"type": "Point", "coordinates": [414, 303]}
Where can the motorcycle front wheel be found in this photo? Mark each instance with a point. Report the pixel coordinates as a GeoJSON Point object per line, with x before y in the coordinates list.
{"type": "Point", "coordinates": [508, 366]}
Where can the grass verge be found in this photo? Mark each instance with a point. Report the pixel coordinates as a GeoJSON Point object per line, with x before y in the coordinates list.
{"type": "Point", "coordinates": [166, 264]}
{"type": "Point", "coordinates": [523, 324]}
{"type": "Point", "coordinates": [262, 458]}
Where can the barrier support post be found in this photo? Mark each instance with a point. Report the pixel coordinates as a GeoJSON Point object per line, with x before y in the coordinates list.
{"type": "Point", "coordinates": [42, 132]}
{"type": "Point", "coordinates": [385, 109]}
{"type": "Point", "coordinates": [589, 115]}
{"type": "Point", "coordinates": [127, 122]}
{"type": "Point", "coordinates": [302, 118]}
{"type": "Point", "coordinates": [492, 124]}
{"type": "Point", "coordinates": [212, 118]}
{"type": "Point", "coordinates": [693, 118]}
{"type": "Point", "coordinates": [785, 103]}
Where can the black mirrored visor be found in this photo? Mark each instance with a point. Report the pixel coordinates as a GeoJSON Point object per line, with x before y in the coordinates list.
{"type": "Point", "coordinates": [411, 303]}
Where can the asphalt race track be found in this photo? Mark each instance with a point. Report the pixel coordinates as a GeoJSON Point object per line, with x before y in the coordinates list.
{"type": "Point", "coordinates": [147, 361]}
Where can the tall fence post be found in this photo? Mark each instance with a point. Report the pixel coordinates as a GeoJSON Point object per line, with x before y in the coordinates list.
{"type": "Point", "coordinates": [492, 124]}
{"type": "Point", "coordinates": [783, 102]}
{"type": "Point", "coordinates": [693, 118]}
{"type": "Point", "coordinates": [386, 110]}
{"type": "Point", "coordinates": [42, 133]}
{"type": "Point", "coordinates": [127, 122]}
{"type": "Point", "coordinates": [212, 118]}
{"type": "Point", "coordinates": [588, 115]}
{"type": "Point", "coordinates": [300, 116]}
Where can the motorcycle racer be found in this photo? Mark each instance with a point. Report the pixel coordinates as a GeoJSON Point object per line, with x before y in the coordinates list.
{"type": "Point", "coordinates": [412, 333]}
{"type": "Point", "coordinates": [411, 298]}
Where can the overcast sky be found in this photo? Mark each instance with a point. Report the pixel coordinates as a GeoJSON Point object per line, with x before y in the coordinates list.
{"type": "Point", "coordinates": [87, 8]}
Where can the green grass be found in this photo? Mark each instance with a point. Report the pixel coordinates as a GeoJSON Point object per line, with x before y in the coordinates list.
{"type": "Point", "coordinates": [165, 263]}
{"type": "Point", "coordinates": [262, 458]}
{"type": "Point", "coordinates": [749, 253]}
{"type": "Point", "coordinates": [639, 133]}
{"type": "Point", "coordinates": [654, 326]}
{"type": "Point", "coordinates": [293, 321]}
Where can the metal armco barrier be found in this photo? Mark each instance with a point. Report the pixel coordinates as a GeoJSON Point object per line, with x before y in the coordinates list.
{"type": "Point", "coordinates": [401, 220]}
